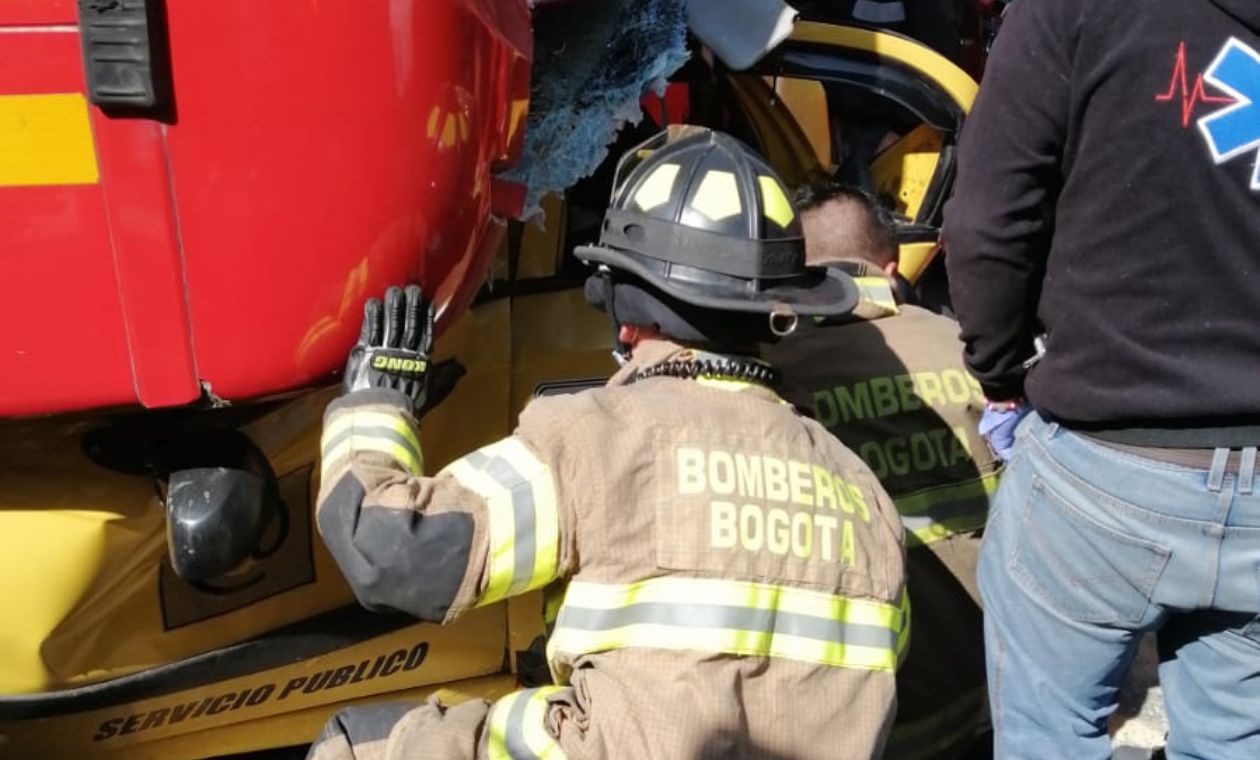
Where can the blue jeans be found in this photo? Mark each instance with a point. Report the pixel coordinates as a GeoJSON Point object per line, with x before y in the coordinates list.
{"type": "Point", "coordinates": [1088, 547]}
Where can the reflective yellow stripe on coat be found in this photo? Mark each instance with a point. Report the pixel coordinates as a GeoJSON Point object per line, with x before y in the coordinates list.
{"type": "Point", "coordinates": [518, 727]}
{"type": "Point", "coordinates": [732, 617]}
{"type": "Point", "coordinates": [524, 522]}
{"type": "Point", "coordinates": [876, 291]}
{"type": "Point", "coordinates": [935, 735]}
{"type": "Point", "coordinates": [376, 431]}
{"type": "Point", "coordinates": [934, 514]}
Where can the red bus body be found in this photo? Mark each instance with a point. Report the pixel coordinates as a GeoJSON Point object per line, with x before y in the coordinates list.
{"type": "Point", "coordinates": [318, 151]}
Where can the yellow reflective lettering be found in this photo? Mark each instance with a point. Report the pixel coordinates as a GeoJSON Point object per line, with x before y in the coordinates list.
{"type": "Point", "coordinates": [842, 495]}
{"type": "Point", "coordinates": [977, 393]}
{"type": "Point", "coordinates": [921, 454]}
{"type": "Point", "coordinates": [690, 471]}
{"type": "Point", "coordinates": [778, 540]}
{"type": "Point", "coordinates": [956, 387]}
{"type": "Point", "coordinates": [798, 473]}
{"type": "Point", "coordinates": [898, 460]}
{"type": "Point", "coordinates": [823, 489]}
{"type": "Point", "coordinates": [854, 403]}
{"type": "Point", "coordinates": [722, 531]}
{"type": "Point", "coordinates": [776, 479]}
{"type": "Point", "coordinates": [848, 545]}
{"type": "Point", "coordinates": [751, 527]}
{"type": "Point", "coordinates": [748, 475]}
{"type": "Point", "coordinates": [939, 446]}
{"type": "Point", "coordinates": [905, 391]}
{"type": "Point", "coordinates": [960, 446]}
{"type": "Point", "coordinates": [930, 389]}
{"type": "Point", "coordinates": [826, 525]}
{"type": "Point", "coordinates": [825, 409]}
{"type": "Point", "coordinates": [721, 473]}
{"type": "Point", "coordinates": [873, 454]}
{"type": "Point", "coordinates": [802, 534]}
{"type": "Point", "coordinates": [884, 396]}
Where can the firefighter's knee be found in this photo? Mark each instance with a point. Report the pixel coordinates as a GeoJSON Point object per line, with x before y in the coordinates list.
{"type": "Point", "coordinates": [358, 732]}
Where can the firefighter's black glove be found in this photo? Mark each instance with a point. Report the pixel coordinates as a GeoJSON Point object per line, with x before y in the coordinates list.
{"type": "Point", "coordinates": [393, 349]}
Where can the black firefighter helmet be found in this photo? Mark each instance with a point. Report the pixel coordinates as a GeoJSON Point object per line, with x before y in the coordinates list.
{"type": "Point", "coordinates": [701, 240]}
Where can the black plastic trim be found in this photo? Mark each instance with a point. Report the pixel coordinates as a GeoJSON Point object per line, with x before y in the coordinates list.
{"type": "Point", "coordinates": [915, 92]}
{"type": "Point", "coordinates": [125, 56]}
{"type": "Point", "coordinates": [932, 210]}
{"type": "Point", "coordinates": [917, 233]}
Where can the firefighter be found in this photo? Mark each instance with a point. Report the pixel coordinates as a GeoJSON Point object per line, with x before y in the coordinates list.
{"type": "Point", "coordinates": [735, 573]}
{"type": "Point", "coordinates": [889, 382]}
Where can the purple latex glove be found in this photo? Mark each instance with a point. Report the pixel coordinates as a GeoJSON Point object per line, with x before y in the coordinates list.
{"type": "Point", "coordinates": [997, 426]}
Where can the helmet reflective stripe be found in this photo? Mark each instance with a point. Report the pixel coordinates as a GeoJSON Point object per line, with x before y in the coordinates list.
{"type": "Point", "coordinates": [717, 197]}
{"type": "Point", "coordinates": [774, 202]}
{"type": "Point", "coordinates": [657, 188]}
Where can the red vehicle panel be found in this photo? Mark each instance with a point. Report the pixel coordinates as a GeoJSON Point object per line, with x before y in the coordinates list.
{"type": "Point", "coordinates": [36, 12]}
{"type": "Point", "coordinates": [318, 151]}
{"type": "Point", "coordinates": [63, 344]}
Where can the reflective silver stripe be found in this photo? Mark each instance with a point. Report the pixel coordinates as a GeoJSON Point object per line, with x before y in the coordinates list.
{"type": "Point", "coordinates": [523, 511]}
{"type": "Point", "coordinates": [514, 736]}
{"type": "Point", "coordinates": [522, 515]}
{"type": "Point", "coordinates": [741, 618]}
{"type": "Point", "coordinates": [770, 621]}
{"type": "Point", "coordinates": [517, 727]}
{"type": "Point", "coordinates": [876, 12]}
{"type": "Point", "coordinates": [522, 494]}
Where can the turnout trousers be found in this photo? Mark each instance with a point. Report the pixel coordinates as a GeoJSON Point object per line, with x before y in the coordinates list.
{"type": "Point", "coordinates": [519, 725]}
{"type": "Point", "coordinates": [1087, 548]}
{"type": "Point", "coordinates": [941, 707]}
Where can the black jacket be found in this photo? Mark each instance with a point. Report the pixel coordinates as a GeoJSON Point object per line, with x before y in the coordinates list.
{"type": "Point", "coordinates": [1109, 194]}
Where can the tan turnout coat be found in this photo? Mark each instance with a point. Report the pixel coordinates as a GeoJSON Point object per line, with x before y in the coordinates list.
{"type": "Point", "coordinates": [735, 573]}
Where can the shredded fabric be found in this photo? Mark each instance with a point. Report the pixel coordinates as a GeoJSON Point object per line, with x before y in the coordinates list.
{"type": "Point", "coordinates": [592, 64]}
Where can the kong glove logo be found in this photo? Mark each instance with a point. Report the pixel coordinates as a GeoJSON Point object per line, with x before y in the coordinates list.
{"type": "Point", "coordinates": [399, 364]}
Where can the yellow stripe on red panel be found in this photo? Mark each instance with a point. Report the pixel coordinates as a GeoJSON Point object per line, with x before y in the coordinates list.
{"type": "Point", "coordinates": [46, 140]}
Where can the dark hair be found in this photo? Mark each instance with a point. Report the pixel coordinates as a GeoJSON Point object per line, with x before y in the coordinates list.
{"type": "Point", "coordinates": [876, 242]}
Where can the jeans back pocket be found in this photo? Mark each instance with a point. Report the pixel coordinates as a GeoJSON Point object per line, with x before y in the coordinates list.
{"type": "Point", "coordinates": [1080, 568]}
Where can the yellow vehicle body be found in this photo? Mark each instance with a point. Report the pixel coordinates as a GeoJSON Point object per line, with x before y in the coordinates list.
{"type": "Point", "coordinates": [105, 652]}
{"type": "Point", "coordinates": [96, 608]}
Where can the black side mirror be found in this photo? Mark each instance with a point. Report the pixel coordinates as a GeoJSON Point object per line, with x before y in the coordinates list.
{"type": "Point", "coordinates": [221, 495]}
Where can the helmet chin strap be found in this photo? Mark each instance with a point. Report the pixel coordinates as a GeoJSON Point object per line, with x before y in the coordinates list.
{"type": "Point", "coordinates": [621, 350]}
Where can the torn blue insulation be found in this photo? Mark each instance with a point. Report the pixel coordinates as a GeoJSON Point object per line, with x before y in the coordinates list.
{"type": "Point", "coordinates": [593, 62]}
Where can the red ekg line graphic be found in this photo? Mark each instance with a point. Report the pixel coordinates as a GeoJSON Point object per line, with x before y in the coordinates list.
{"type": "Point", "coordinates": [1189, 97]}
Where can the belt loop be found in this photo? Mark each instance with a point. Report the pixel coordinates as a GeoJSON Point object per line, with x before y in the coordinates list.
{"type": "Point", "coordinates": [1247, 469]}
{"type": "Point", "coordinates": [1216, 475]}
